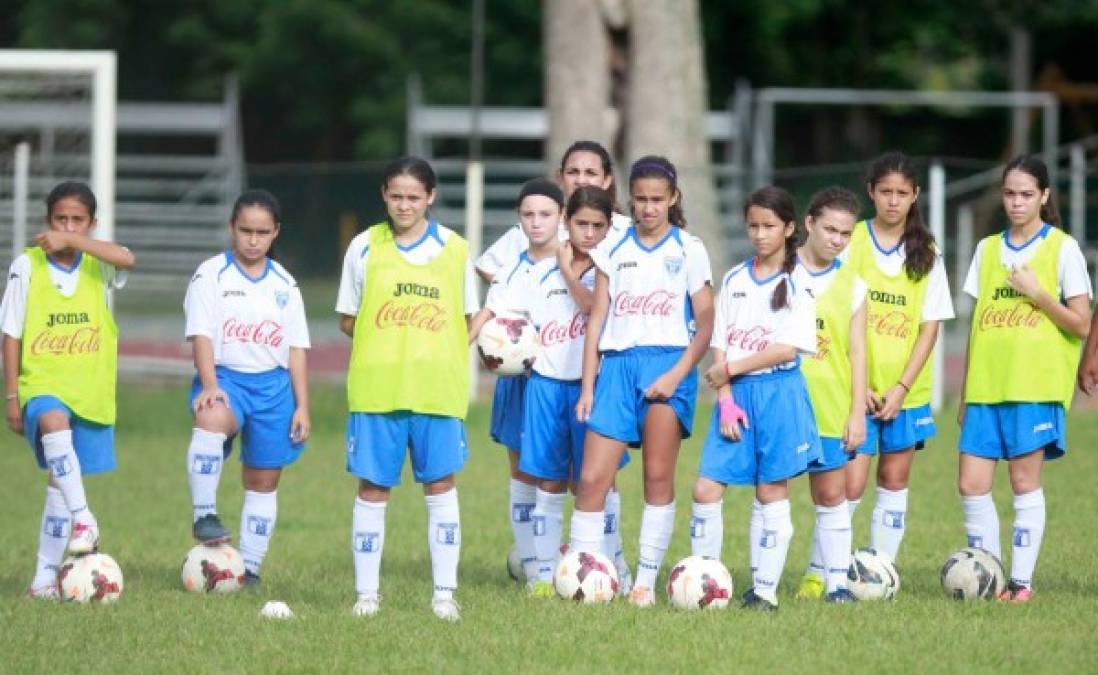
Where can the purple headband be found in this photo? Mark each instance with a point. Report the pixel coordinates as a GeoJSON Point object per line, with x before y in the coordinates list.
{"type": "Point", "coordinates": [637, 168]}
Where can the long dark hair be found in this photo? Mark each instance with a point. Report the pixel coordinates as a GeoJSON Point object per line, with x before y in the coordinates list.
{"type": "Point", "coordinates": [590, 196]}
{"type": "Point", "coordinates": [780, 203]}
{"type": "Point", "coordinates": [918, 242]}
{"type": "Point", "coordinates": [595, 148]}
{"type": "Point", "coordinates": [654, 166]}
{"type": "Point", "coordinates": [78, 191]}
{"type": "Point", "coordinates": [260, 199]}
{"type": "Point", "coordinates": [1039, 170]}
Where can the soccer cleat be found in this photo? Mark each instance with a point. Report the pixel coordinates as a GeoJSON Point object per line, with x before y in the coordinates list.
{"type": "Point", "coordinates": [625, 579]}
{"type": "Point", "coordinates": [252, 582]}
{"type": "Point", "coordinates": [542, 589]}
{"type": "Point", "coordinates": [446, 609]}
{"type": "Point", "coordinates": [1016, 593]}
{"type": "Point", "coordinates": [751, 600]}
{"type": "Point", "coordinates": [367, 605]}
{"type": "Point", "coordinates": [812, 588]}
{"type": "Point", "coordinates": [47, 592]}
{"type": "Point", "coordinates": [208, 530]}
{"type": "Point", "coordinates": [642, 596]}
{"type": "Point", "coordinates": [840, 596]}
{"type": "Point", "coordinates": [84, 538]}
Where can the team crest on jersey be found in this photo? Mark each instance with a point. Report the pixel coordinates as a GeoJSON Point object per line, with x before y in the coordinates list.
{"type": "Point", "coordinates": [673, 264]}
{"type": "Point", "coordinates": [281, 298]}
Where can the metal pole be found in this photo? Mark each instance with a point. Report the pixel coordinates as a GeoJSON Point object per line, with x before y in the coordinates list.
{"type": "Point", "coordinates": [20, 182]}
{"type": "Point", "coordinates": [104, 113]}
{"type": "Point", "coordinates": [1050, 132]}
{"type": "Point", "coordinates": [476, 87]}
{"type": "Point", "coordinates": [937, 226]}
{"type": "Point", "coordinates": [1078, 197]}
{"type": "Point", "coordinates": [966, 222]}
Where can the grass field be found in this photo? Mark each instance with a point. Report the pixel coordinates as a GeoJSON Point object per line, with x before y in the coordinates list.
{"type": "Point", "coordinates": [145, 514]}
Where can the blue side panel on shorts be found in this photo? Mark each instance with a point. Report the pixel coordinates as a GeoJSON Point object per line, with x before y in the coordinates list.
{"type": "Point", "coordinates": [1010, 430]}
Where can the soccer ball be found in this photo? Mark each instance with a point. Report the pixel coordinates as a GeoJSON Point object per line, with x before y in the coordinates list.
{"type": "Point", "coordinates": [872, 575]}
{"type": "Point", "coordinates": [586, 577]}
{"type": "Point", "coordinates": [699, 582]}
{"type": "Point", "coordinates": [94, 577]}
{"type": "Point", "coordinates": [514, 565]}
{"type": "Point", "coordinates": [508, 344]}
{"type": "Point", "coordinates": [973, 573]}
{"type": "Point", "coordinates": [213, 569]}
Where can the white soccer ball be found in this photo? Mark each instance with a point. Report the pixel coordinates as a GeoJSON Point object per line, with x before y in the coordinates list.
{"type": "Point", "coordinates": [508, 344]}
{"type": "Point", "coordinates": [872, 575]}
{"type": "Point", "coordinates": [973, 573]}
{"type": "Point", "coordinates": [586, 577]}
{"type": "Point", "coordinates": [94, 577]}
{"type": "Point", "coordinates": [514, 565]}
{"type": "Point", "coordinates": [213, 569]}
{"type": "Point", "coordinates": [699, 582]}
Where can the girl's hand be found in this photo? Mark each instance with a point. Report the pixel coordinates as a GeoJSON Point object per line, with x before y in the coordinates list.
{"type": "Point", "coordinates": [731, 417]}
{"type": "Point", "coordinates": [892, 404]}
{"type": "Point", "coordinates": [584, 405]}
{"type": "Point", "coordinates": [717, 375]}
{"type": "Point", "coordinates": [300, 426]}
{"type": "Point", "coordinates": [1024, 280]}
{"type": "Point", "coordinates": [52, 241]}
{"type": "Point", "coordinates": [208, 398]}
{"type": "Point", "coordinates": [1088, 373]}
{"type": "Point", "coordinates": [15, 415]}
{"type": "Point", "coordinates": [565, 255]}
{"type": "Point", "coordinates": [663, 388]}
{"type": "Point", "coordinates": [854, 433]}
{"type": "Point", "coordinates": [873, 402]}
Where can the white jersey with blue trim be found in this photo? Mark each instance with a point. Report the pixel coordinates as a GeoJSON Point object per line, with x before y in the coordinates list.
{"type": "Point", "coordinates": [1072, 277]}
{"type": "Point", "coordinates": [746, 325]}
{"type": "Point", "coordinates": [650, 288]}
{"type": "Point", "coordinates": [514, 241]}
{"type": "Point", "coordinates": [420, 252]}
{"type": "Point", "coordinates": [817, 283]}
{"type": "Point", "coordinates": [252, 322]}
{"type": "Point", "coordinates": [503, 295]}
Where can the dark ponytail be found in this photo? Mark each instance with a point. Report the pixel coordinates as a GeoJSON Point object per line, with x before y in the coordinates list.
{"type": "Point", "coordinates": [263, 200]}
{"type": "Point", "coordinates": [918, 242]}
{"type": "Point", "coordinates": [1035, 167]}
{"type": "Point", "coordinates": [654, 166]}
{"type": "Point", "coordinates": [780, 203]}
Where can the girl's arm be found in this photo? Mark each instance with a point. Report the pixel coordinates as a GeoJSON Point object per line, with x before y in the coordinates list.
{"type": "Point", "coordinates": [595, 322]}
{"type": "Point", "coordinates": [581, 295]}
{"type": "Point", "coordinates": [1073, 317]}
{"type": "Point", "coordinates": [855, 425]}
{"type": "Point", "coordinates": [117, 256]}
{"type": "Point", "coordinates": [300, 426]}
{"type": "Point", "coordinates": [1088, 367]}
{"type": "Point", "coordinates": [207, 374]}
{"type": "Point", "coordinates": [12, 358]}
{"type": "Point", "coordinates": [347, 325]}
{"type": "Point", "coordinates": [477, 321]}
{"type": "Point", "coordinates": [920, 352]}
{"type": "Point", "coordinates": [666, 384]}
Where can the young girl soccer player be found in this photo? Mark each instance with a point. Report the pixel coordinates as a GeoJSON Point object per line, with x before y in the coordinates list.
{"type": "Point", "coordinates": [763, 431]}
{"type": "Point", "coordinates": [908, 298]}
{"type": "Point", "coordinates": [405, 296]}
{"type": "Point", "coordinates": [540, 205]}
{"type": "Point", "coordinates": [1032, 295]}
{"type": "Point", "coordinates": [836, 377]}
{"type": "Point", "coordinates": [649, 326]}
{"type": "Point", "coordinates": [60, 351]}
{"type": "Point", "coordinates": [246, 323]}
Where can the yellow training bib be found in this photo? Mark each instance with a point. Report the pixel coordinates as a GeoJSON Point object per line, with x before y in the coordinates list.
{"type": "Point", "coordinates": [828, 372]}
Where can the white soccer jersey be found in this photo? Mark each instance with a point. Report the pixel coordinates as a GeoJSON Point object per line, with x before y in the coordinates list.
{"type": "Point", "coordinates": [817, 283]}
{"type": "Point", "coordinates": [938, 303]}
{"type": "Point", "coordinates": [506, 294]}
{"type": "Point", "coordinates": [1072, 277]}
{"type": "Point", "coordinates": [514, 241]}
{"type": "Point", "coordinates": [13, 310]}
{"type": "Point", "coordinates": [420, 252]}
{"type": "Point", "coordinates": [252, 322]}
{"type": "Point", "coordinates": [650, 288]}
{"type": "Point", "coordinates": [746, 325]}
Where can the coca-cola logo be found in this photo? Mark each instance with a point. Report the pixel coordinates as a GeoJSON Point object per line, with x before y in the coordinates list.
{"type": "Point", "coordinates": [267, 333]}
{"type": "Point", "coordinates": [54, 342]}
{"type": "Point", "coordinates": [823, 347]}
{"type": "Point", "coordinates": [427, 316]}
{"type": "Point", "coordinates": [1020, 315]}
{"type": "Point", "coordinates": [556, 333]}
{"type": "Point", "coordinates": [894, 324]}
{"type": "Point", "coordinates": [754, 339]}
{"type": "Point", "coordinates": [656, 303]}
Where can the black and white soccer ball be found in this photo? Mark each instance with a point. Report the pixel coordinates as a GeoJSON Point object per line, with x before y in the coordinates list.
{"type": "Point", "coordinates": [973, 573]}
{"type": "Point", "coordinates": [872, 575]}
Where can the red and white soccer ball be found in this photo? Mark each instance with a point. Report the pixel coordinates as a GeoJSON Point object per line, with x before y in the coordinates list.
{"type": "Point", "coordinates": [94, 577]}
{"type": "Point", "coordinates": [586, 577]}
{"type": "Point", "coordinates": [699, 582]}
{"type": "Point", "coordinates": [508, 344]}
{"type": "Point", "coordinates": [213, 569]}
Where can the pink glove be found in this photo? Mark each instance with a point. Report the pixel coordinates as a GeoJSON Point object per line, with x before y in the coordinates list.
{"type": "Point", "coordinates": [730, 413]}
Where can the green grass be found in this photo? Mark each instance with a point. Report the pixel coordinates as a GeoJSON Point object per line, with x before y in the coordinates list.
{"type": "Point", "coordinates": [145, 514]}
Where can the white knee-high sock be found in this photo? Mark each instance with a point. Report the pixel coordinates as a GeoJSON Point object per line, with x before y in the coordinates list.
{"type": "Point", "coordinates": [64, 468]}
{"type": "Point", "coordinates": [1029, 530]}
{"type": "Point", "coordinates": [773, 545]}
{"type": "Point", "coordinates": [257, 526]}
{"type": "Point", "coordinates": [522, 524]}
{"type": "Point", "coordinates": [754, 534]}
{"type": "Point", "coordinates": [982, 523]}
{"type": "Point", "coordinates": [657, 523]}
{"type": "Point", "coordinates": [52, 539]}
{"type": "Point", "coordinates": [444, 541]}
{"type": "Point", "coordinates": [367, 542]}
{"type": "Point", "coordinates": [889, 521]}
{"type": "Point", "coordinates": [587, 531]}
{"type": "Point", "coordinates": [852, 505]}
{"type": "Point", "coordinates": [548, 522]}
{"type": "Point", "coordinates": [611, 541]}
{"type": "Point", "coordinates": [816, 566]}
{"type": "Point", "coordinates": [205, 457]}
{"type": "Point", "coordinates": [834, 536]}
{"type": "Point", "coordinates": [707, 530]}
